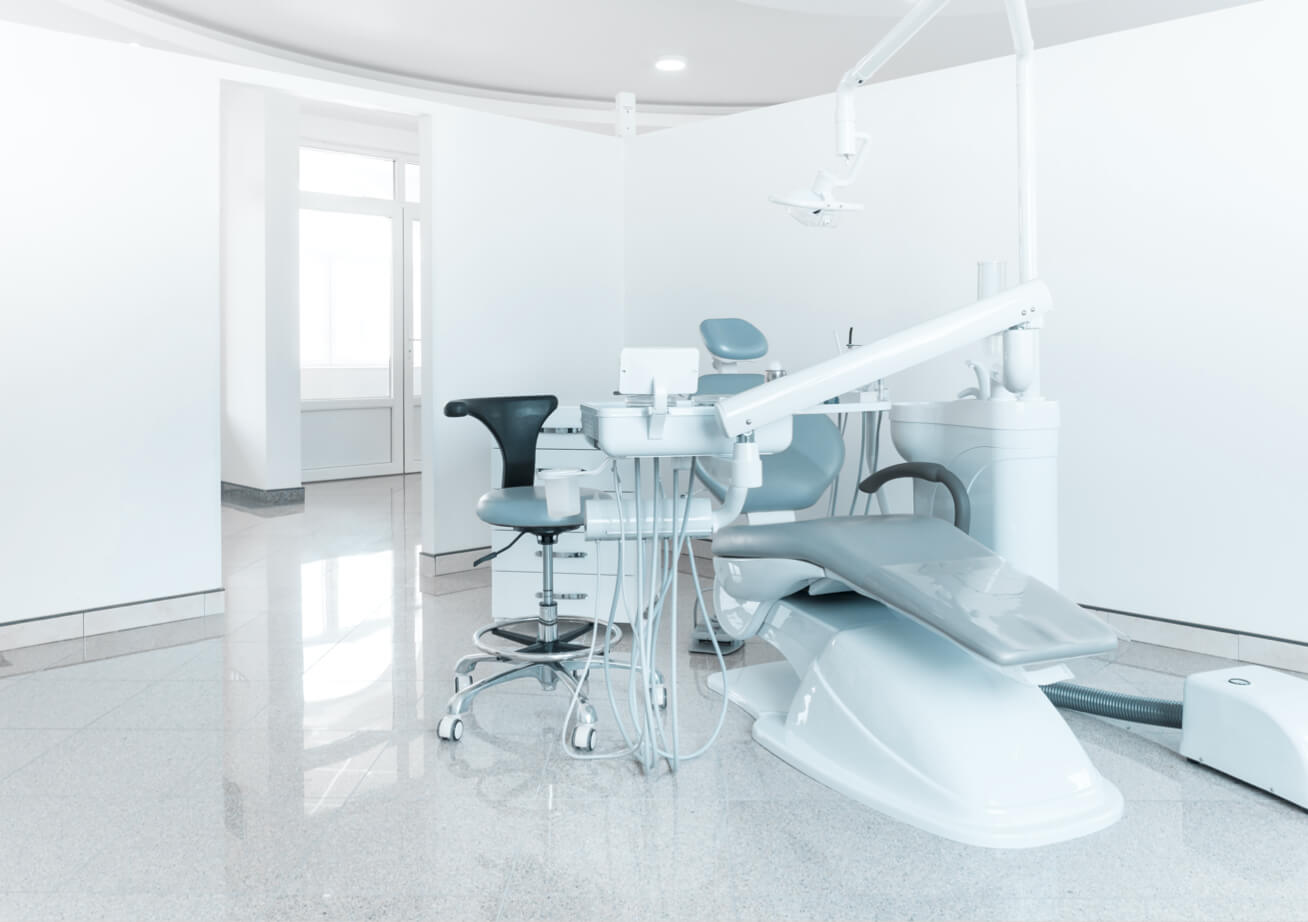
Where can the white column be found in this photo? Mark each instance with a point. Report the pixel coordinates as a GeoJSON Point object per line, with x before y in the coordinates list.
{"type": "Point", "coordinates": [260, 288]}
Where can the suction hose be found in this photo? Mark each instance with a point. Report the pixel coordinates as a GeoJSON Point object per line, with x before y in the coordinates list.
{"type": "Point", "coordinates": [1161, 712]}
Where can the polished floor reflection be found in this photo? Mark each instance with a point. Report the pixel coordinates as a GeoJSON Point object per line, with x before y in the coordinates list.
{"type": "Point", "coordinates": [289, 771]}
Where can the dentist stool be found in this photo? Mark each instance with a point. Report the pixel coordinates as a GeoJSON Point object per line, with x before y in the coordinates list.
{"type": "Point", "coordinates": [543, 646]}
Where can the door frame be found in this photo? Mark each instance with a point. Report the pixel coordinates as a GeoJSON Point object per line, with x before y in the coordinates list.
{"type": "Point", "coordinates": [401, 401]}
{"type": "Point", "coordinates": [412, 402]}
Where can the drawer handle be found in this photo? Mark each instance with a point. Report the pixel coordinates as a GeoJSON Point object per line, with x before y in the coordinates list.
{"type": "Point", "coordinates": [567, 596]}
{"type": "Point", "coordinates": [566, 555]}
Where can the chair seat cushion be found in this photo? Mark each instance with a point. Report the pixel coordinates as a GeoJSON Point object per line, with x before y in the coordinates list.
{"type": "Point", "coordinates": [525, 508]}
{"type": "Point", "coordinates": [931, 571]}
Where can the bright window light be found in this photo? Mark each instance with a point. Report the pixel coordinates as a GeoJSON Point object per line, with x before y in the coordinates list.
{"type": "Point", "coordinates": [345, 305]}
{"type": "Point", "coordinates": [340, 173]}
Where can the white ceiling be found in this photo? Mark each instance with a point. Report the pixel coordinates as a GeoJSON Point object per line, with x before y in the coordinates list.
{"type": "Point", "coordinates": [741, 53]}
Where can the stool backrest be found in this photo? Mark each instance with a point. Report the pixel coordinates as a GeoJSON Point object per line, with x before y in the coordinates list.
{"type": "Point", "coordinates": [515, 423]}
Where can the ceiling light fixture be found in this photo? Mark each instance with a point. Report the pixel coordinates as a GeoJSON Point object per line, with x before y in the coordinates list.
{"type": "Point", "coordinates": [670, 64]}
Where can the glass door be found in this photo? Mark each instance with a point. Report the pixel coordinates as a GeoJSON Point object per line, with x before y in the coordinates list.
{"type": "Point", "coordinates": [358, 390]}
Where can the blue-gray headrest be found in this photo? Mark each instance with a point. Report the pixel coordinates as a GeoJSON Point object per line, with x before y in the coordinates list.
{"type": "Point", "coordinates": [733, 339]}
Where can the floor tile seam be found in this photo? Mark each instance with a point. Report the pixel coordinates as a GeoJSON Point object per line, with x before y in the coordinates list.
{"type": "Point", "coordinates": [435, 595]}
{"type": "Point", "coordinates": [149, 685]}
{"type": "Point", "coordinates": [163, 678]}
{"type": "Point", "coordinates": [229, 574]}
{"type": "Point", "coordinates": [438, 595]}
{"type": "Point", "coordinates": [249, 724]}
{"type": "Point", "coordinates": [21, 677]}
{"type": "Point", "coordinates": [331, 649]}
{"type": "Point", "coordinates": [4, 778]}
{"type": "Point", "coordinates": [72, 873]}
{"type": "Point", "coordinates": [364, 772]}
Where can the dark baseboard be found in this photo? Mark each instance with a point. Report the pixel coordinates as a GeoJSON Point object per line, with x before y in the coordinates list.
{"type": "Point", "coordinates": [243, 497]}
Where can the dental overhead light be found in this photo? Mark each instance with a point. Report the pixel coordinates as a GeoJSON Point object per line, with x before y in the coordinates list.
{"type": "Point", "coordinates": [670, 64]}
{"type": "Point", "coordinates": [817, 205]}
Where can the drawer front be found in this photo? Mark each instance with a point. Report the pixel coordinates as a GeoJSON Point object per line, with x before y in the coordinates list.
{"type": "Point", "coordinates": [572, 554]}
{"type": "Point", "coordinates": [514, 594]}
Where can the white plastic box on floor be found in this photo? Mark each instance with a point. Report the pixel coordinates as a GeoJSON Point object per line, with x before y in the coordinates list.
{"type": "Point", "coordinates": [1251, 723]}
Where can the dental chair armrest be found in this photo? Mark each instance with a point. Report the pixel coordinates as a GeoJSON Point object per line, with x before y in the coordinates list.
{"type": "Point", "coordinates": [934, 473]}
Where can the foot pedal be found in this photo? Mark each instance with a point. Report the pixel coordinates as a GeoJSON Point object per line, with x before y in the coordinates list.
{"type": "Point", "coordinates": [702, 642]}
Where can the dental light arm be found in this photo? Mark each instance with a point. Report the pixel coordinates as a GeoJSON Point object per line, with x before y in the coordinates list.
{"type": "Point", "coordinates": [1019, 24]}
{"type": "Point", "coordinates": [767, 403]}
{"type": "Point", "coordinates": [816, 206]}
{"type": "Point", "coordinates": [899, 36]}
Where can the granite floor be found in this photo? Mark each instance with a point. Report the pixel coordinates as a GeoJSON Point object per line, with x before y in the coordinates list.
{"type": "Point", "coordinates": [288, 770]}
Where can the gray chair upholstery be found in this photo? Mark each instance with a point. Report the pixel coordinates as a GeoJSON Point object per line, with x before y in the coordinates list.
{"type": "Point", "coordinates": [792, 479]}
{"type": "Point", "coordinates": [525, 508]}
{"type": "Point", "coordinates": [931, 571]}
{"type": "Point", "coordinates": [797, 477]}
{"type": "Point", "coordinates": [733, 339]}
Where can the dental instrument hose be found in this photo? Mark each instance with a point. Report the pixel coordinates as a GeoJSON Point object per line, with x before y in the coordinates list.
{"type": "Point", "coordinates": [1160, 712]}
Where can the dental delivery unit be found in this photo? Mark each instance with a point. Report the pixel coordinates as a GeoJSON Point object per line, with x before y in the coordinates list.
{"type": "Point", "coordinates": [923, 656]}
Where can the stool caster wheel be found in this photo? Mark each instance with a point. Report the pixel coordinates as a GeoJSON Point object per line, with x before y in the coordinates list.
{"type": "Point", "coordinates": [583, 738]}
{"type": "Point", "coordinates": [450, 728]}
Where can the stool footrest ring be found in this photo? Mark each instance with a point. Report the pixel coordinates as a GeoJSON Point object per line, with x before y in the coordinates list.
{"type": "Point", "coordinates": [558, 650]}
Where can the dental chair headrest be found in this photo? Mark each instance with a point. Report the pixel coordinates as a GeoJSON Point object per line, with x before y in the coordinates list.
{"type": "Point", "coordinates": [733, 339]}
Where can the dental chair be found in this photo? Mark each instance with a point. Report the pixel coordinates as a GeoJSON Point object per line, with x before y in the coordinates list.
{"type": "Point", "coordinates": [543, 647]}
{"type": "Point", "coordinates": [793, 479]}
{"type": "Point", "coordinates": [913, 659]}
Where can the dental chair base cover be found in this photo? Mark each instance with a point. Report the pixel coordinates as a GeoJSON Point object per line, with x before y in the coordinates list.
{"type": "Point", "coordinates": [931, 710]}
{"type": "Point", "coordinates": [885, 710]}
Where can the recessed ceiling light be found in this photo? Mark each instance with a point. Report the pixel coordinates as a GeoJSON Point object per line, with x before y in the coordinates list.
{"type": "Point", "coordinates": [670, 63]}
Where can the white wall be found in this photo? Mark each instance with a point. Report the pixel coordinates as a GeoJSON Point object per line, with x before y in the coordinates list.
{"type": "Point", "coordinates": [260, 288]}
{"type": "Point", "coordinates": [1172, 195]}
{"type": "Point", "coordinates": [109, 301]}
{"type": "Point", "coordinates": [525, 262]}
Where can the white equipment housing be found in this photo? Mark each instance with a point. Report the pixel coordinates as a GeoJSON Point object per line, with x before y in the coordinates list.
{"type": "Point", "coordinates": [689, 430]}
{"type": "Point", "coordinates": [1006, 454]}
{"type": "Point", "coordinates": [1251, 723]}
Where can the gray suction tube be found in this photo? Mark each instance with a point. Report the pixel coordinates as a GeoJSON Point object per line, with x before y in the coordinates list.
{"type": "Point", "coordinates": [1161, 712]}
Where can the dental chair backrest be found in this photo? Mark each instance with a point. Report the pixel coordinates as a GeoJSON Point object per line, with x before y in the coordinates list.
{"type": "Point", "coordinates": [795, 478]}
